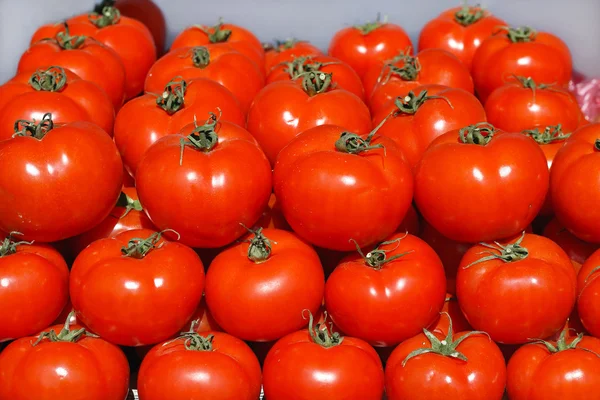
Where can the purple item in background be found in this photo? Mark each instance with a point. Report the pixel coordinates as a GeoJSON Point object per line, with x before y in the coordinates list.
{"type": "Point", "coordinates": [587, 92]}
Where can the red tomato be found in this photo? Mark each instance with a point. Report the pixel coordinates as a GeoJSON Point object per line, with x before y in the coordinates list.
{"type": "Point", "coordinates": [495, 188]}
{"type": "Point", "coordinates": [321, 364]}
{"type": "Point", "coordinates": [217, 170]}
{"type": "Point", "coordinates": [272, 216]}
{"type": "Point", "coordinates": [136, 289]}
{"type": "Point", "coordinates": [335, 186]}
{"type": "Point", "coordinates": [577, 250]}
{"type": "Point", "coordinates": [57, 91]}
{"type": "Point", "coordinates": [361, 45]}
{"type": "Point", "coordinates": [465, 365]}
{"type": "Point", "coordinates": [256, 289]}
{"type": "Point", "coordinates": [88, 58]}
{"type": "Point", "coordinates": [64, 179]}
{"type": "Point", "coordinates": [588, 301]}
{"type": "Point", "coordinates": [566, 369]}
{"type": "Point", "coordinates": [575, 184]}
{"type": "Point", "coordinates": [63, 362]}
{"type": "Point", "coordinates": [423, 115]}
{"type": "Point", "coordinates": [144, 120]}
{"type": "Point", "coordinates": [284, 52]}
{"type": "Point", "coordinates": [29, 271]}
{"type": "Point", "coordinates": [411, 222]}
{"type": "Point", "coordinates": [507, 288]}
{"type": "Point", "coordinates": [522, 52]}
{"type": "Point", "coordinates": [219, 62]}
{"type": "Point", "coordinates": [460, 31]}
{"type": "Point", "coordinates": [388, 295]}
{"type": "Point", "coordinates": [284, 109]}
{"type": "Point", "coordinates": [454, 316]}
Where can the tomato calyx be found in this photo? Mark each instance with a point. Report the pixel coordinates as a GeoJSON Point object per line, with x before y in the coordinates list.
{"type": "Point", "coordinates": [409, 71]}
{"type": "Point", "coordinates": [108, 16]}
{"type": "Point", "coordinates": [597, 144]}
{"type": "Point", "coordinates": [519, 35]}
{"type": "Point", "coordinates": [410, 103]}
{"type": "Point", "coordinates": [172, 99]}
{"type": "Point", "coordinates": [52, 79]}
{"type": "Point", "coordinates": [200, 56]}
{"type": "Point", "coordinates": [140, 247]}
{"type": "Point", "coordinates": [35, 130]}
{"type": "Point", "coordinates": [128, 203]}
{"type": "Point", "coordinates": [9, 246]}
{"type": "Point", "coordinates": [300, 66]}
{"type": "Point", "coordinates": [352, 143]}
{"type": "Point", "coordinates": [65, 334]}
{"type": "Point", "coordinates": [480, 133]}
{"type": "Point", "coordinates": [378, 257]}
{"type": "Point", "coordinates": [260, 246]}
{"type": "Point", "coordinates": [562, 343]}
{"type": "Point", "coordinates": [369, 27]}
{"type": "Point", "coordinates": [549, 135]}
{"type": "Point", "coordinates": [104, 3]}
{"type": "Point", "coordinates": [321, 334]}
{"type": "Point", "coordinates": [68, 42]}
{"type": "Point", "coordinates": [315, 82]}
{"type": "Point", "coordinates": [510, 253]}
{"type": "Point", "coordinates": [193, 341]}
{"type": "Point", "coordinates": [216, 34]}
{"type": "Point", "coordinates": [203, 137]}
{"type": "Point", "coordinates": [469, 15]}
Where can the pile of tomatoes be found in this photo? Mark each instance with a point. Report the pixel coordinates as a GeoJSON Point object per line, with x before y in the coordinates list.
{"type": "Point", "coordinates": [232, 218]}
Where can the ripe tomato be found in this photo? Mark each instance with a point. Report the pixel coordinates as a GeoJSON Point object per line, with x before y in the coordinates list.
{"type": "Point", "coordinates": [321, 364]}
{"type": "Point", "coordinates": [465, 365]}
{"type": "Point", "coordinates": [454, 314]}
{"type": "Point", "coordinates": [577, 250]}
{"type": "Point", "coordinates": [507, 288]}
{"type": "Point", "coordinates": [284, 109]}
{"type": "Point", "coordinates": [219, 62]}
{"type": "Point", "coordinates": [361, 45]}
{"type": "Point", "coordinates": [63, 181]}
{"type": "Point", "coordinates": [283, 52]}
{"type": "Point", "coordinates": [272, 216]}
{"type": "Point", "coordinates": [216, 169]}
{"type": "Point", "coordinates": [588, 301]}
{"type": "Point", "coordinates": [566, 369]}
{"type": "Point", "coordinates": [388, 295]}
{"type": "Point", "coordinates": [228, 367]}
{"type": "Point", "coordinates": [119, 286]}
{"type": "Point", "coordinates": [504, 174]}
{"type": "Point", "coordinates": [144, 120]}
{"type": "Point", "coordinates": [411, 222]}
{"type": "Point", "coordinates": [256, 289]}
{"type": "Point", "coordinates": [423, 115]}
{"type": "Point", "coordinates": [460, 31]}
{"type": "Point", "coordinates": [88, 58]}
{"type": "Point", "coordinates": [29, 271]}
{"type": "Point", "coordinates": [321, 179]}
{"type": "Point", "coordinates": [522, 52]}
{"type": "Point", "coordinates": [575, 184]}
{"type": "Point", "coordinates": [63, 362]}
{"type": "Point", "coordinates": [57, 91]}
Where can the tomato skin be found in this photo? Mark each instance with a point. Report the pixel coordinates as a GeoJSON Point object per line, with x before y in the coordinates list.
{"type": "Point", "coordinates": [148, 13]}
{"type": "Point", "coordinates": [588, 300]}
{"type": "Point", "coordinates": [411, 222]}
{"type": "Point", "coordinates": [577, 250]}
{"type": "Point", "coordinates": [272, 216]}
{"type": "Point", "coordinates": [459, 322]}
{"type": "Point", "coordinates": [359, 49]}
{"type": "Point", "coordinates": [510, 301]}
{"type": "Point", "coordinates": [315, 183]}
{"type": "Point", "coordinates": [285, 52]}
{"type": "Point", "coordinates": [167, 282]}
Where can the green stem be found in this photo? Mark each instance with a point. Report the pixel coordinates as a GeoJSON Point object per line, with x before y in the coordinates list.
{"type": "Point", "coordinates": [551, 134]}
{"type": "Point", "coordinates": [597, 144]}
{"type": "Point", "coordinates": [369, 27]}
{"type": "Point", "coordinates": [260, 246]}
{"type": "Point", "coordinates": [378, 257]}
{"type": "Point", "coordinates": [216, 33]}
{"type": "Point", "coordinates": [65, 335]}
{"type": "Point", "coordinates": [562, 344]}
{"type": "Point", "coordinates": [409, 71]}
{"type": "Point", "coordinates": [193, 341]}
{"type": "Point", "coordinates": [52, 79]}
{"type": "Point", "coordinates": [510, 253]}
{"type": "Point", "coordinates": [68, 42]}
{"type": "Point", "coordinates": [108, 16]}
{"type": "Point", "coordinates": [129, 204]}
{"type": "Point", "coordinates": [140, 247]}
{"type": "Point", "coordinates": [173, 97]}
{"type": "Point", "coordinates": [352, 143]}
{"type": "Point", "coordinates": [9, 246]}
{"type": "Point", "coordinates": [520, 35]}
{"type": "Point", "coordinates": [321, 334]}
{"type": "Point", "coordinates": [469, 15]}
{"type": "Point", "coordinates": [480, 134]}
{"type": "Point", "coordinates": [200, 56]}
{"type": "Point", "coordinates": [315, 82]}
{"type": "Point", "coordinates": [104, 3]}
{"type": "Point", "coordinates": [411, 103]}
{"type": "Point", "coordinates": [203, 137]}
{"type": "Point", "coordinates": [35, 130]}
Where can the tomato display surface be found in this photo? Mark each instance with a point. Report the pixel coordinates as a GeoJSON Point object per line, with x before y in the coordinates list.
{"type": "Point", "coordinates": [120, 285]}
{"type": "Point", "coordinates": [423, 115]}
{"type": "Point", "coordinates": [282, 52]}
{"type": "Point", "coordinates": [256, 289]}
{"type": "Point", "coordinates": [57, 91]}
{"type": "Point", "coordinates": [504, 174]}
{"type": "Point", "coordinates": [219, 62]}
{"type": "Point", "coordinates": [63, 362]}
{"type": "Point", "coordinates": [577, 250]}
{"type": "Point", "coordinates": [507, 288]}
{"type": "Point", "coordinates": [64, 180]}
{"type": "Point", "coordinates": [216, 169]}
{"type": "Point", "coordinates": [144, 120]}
{"type": "Point", "coordinates": [588, 301]}
{"type": "Point", "coordinates": [388, 294]}
{"type": "Point", "coordinates": [522, 51]}
{"type": "Point", "coordinates": [335, 186]}
{"type": "Point", "coordinates": [319, 363]}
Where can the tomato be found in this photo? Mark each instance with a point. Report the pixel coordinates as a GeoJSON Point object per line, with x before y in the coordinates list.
{"type": "Point", "coordinates": [219, 62]}
{"type": "Point", "coordinates": [228, 368]}
{"type": "Point", "coordinates": [63, 362]}
{"type": "Point", "coordinates": [389, 294]}
{"type": "Point", "coordinates": [63, 180]}
{"type": "Point", "coordinates": [256, 289]}
{"type": "Point", "coordinates": [588, 301]}
{"type": "Point", "coordinates": [460, 31]}
{"type": "Point", "coordinates": [454, 314]}
{"type": "Point", "coordinates": [522, 52]}
{"type": "Point", "coordinates": [507, 288]}
{"type": "Point", "coordinates": [89, 59]}
{"type": "Point", "coordinates": [272, 216]}
{"type": "Point", "coordinates": [284, 109]}
{"type": "Point", "coordinates": [575, 184]}
{"type": "Point", "coordinates": [29, 271]}
{"type": "Point", "coordinates": [283, 52]}
{"type": "Point", "coordinates": [57, 91]}
{"type": "Point", "coordinates": [423, 115]}
{"type": "Point", "coordinates": [144, 120]}
{"type": "Point", "coordinates": [566, 369]}
{"type": "Point", "coordinates": [335, 186]}
{"type": "Point", "coordinates": [577, 250]}
{"type": "Point", "coordinates": [136, 289]}
{"type": "Point", "coordinates": [361, 45]}
{"type": "Point", "coordinates": [464, 365]}
{"type": "Point", "coordinates": [494, 190]}
{"type": "Point", "coordinates": [216, 171]}
{"type": "Point", "coordinates": [397, 77]}
{"type": "Point", "coordinates": [318, 363]}
{"type": "Point", "coordinates": [411, 222]}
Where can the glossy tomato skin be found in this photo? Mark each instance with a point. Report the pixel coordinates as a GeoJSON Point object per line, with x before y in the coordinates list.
{"type": "Point", "coordinates": [322, 190]}
{"type": "Point", "coordinates": [283, 109]}
{"type": "Point", "coordinates": [577, 250]}
{"type": "Point", "coordinates": [75, 168]}
{"type": "Point", "coordinates": [150, 14]}
{"type": "Point", "coordinates": [510, 300]}
{"type": "Point", "coordinates": [287, 51]}
{"type": "Point", "coordinates": [230, 371]}
{"type": "Point", "coordinates": [120, 297]}
{"type": "Point", "coordinates": [509, 175]}
{"type": "Point", "coordinates": [588, 300]}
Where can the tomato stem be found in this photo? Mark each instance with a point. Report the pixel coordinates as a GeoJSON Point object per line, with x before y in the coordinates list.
{"type": "Point", "coordinates": [128, 203]}
{"type": "Point", "coordinates": [377, 257]}
{"type": "Point", "coordinates": [9, 245]}
{"type": "Point", "coordinates": [216, 33]}
{"type": "Point", "coordinates": [104, 3]}
{"type": "Point", "coordinates": [409, 71]}
{"type": "Point", "coordinates": [203, 137]}
{"type": "Point", "coordinates": [352, 143]}
{"type": "Point", "coordinates": [108, 16]}
{"type": "Point", "coordinates": [193, 341]}
{"type": "Point", "coordinates": [52, 79]}
{"type": "Point", "coordinates": [68, 42]}
{"type": "Point", "coordinates": [321, 334]}
{"type": "Point", "coordinates": [200, 56]}
{"type": "Point", "coordinates": [65, 335]}
{"type": "Point", "coordinates": [550, 134]}
{"type": "Point", "coordinates": [37, 131]}
{"type": "Point", "coordinates": [480, 133]}
{"type": "Point", "coordinates": [519, 35]}
{"type": "Point", "coordinates": [173, 97]}
{"type": "Point", "coordinates": [315, 81]}
{"type": "Point", "coordinates": [410, 103]}
{"type": "Point", "coordinates": [369, 27]}
{"type": "Point", "coordinates": [562, 343]}
{"type": "Point", "coordinates": [597, 144]}
{"type": "Point", "coordinates": [510, 253]}
{"type": "Point", "coordinates": [300, 66]}
{"type": "Point", "coordinates": [260, 246]}
{"type": "Point", "coordinates": [140, 247]}
{"type": "Point", "coordinates": [468, 15]}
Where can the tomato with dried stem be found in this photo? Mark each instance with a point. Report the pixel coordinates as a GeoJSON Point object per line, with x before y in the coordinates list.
{"type": "Point", "coordinates": [282, 52]}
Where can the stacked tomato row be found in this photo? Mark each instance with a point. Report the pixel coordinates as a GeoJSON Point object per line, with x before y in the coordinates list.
{"type": "Point", "coordinates": [274, 216]}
